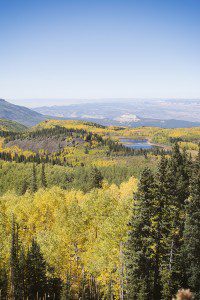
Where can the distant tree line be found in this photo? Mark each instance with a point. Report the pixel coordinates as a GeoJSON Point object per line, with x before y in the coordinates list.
{"type": "Point", "coordinates": [37, 158]}
{"type": "Point", "coordinates": [57, 160]}
{"type": "Point", "coordinates": [113, 146]}
{"type": "Point", "coordinates": [57, 131]}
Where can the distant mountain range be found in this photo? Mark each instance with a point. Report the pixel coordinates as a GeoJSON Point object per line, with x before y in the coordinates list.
{"type": "Point", "coordinates": [162, 113]}
{"type": "Point", "coordinates": [20, 114]}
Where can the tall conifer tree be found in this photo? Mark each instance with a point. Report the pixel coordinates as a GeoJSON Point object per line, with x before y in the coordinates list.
{"type": "Point", "coordinates": [14, 261]}
{"type": "Point", "coordinates": [177, 177]}
{"type": "Point", "coordinates": [3, 283]}
{"type": "Point", "coordinates": [139, 262]}
{"type": "Point", "coordinates": [36, 273]}
{"type": "Point", "coordinates": [43, 177]}
{"type": "Point", "coordinates": [192, 231]}
{"type": "Point", "coordinates": [34, 180]}
{"type": "Point", "coordinates": [95, 178]}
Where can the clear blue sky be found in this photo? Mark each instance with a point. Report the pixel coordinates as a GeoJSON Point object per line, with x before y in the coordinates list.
{"type": "Point", "coordinates": [99, 49]}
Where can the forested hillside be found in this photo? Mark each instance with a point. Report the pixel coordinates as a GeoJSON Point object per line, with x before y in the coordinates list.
{"type": "Point", "coordinates": [185, 137]}
{"type": "Point", "coordinates": [7, 125]}
{"type": "Point", "coordinates": [84, 217]}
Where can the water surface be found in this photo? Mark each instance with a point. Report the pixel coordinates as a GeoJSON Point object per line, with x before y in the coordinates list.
{"type": "Point", "coordinates": [136, 144]}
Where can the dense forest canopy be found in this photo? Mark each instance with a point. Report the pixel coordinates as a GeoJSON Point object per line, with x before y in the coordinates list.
{"type": "Point", "coordinates": [84, 217]}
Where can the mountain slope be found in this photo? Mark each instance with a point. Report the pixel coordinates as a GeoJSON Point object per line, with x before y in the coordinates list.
{"type": "Point", "coordinates": [20, 114]}
{"type": "Point", "coordinates": [8, 125]}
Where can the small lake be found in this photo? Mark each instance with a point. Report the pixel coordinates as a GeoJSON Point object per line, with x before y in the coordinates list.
{"type": "Point", "coordinates": [136, 144]}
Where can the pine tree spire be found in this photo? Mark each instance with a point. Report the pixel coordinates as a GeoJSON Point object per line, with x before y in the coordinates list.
{"type": "Point", "coordinates": [36, 272]}
{"type": "Point", "coordinates": [95, 178]}
{"type": "Point", "coordinates": [43, 177]}
{"type": "Point", "coordinates": [191, 246]}
{"type": "Point", "coordinates": [34, 180]}
{"type": "Point", "coordinates": [139, 253]}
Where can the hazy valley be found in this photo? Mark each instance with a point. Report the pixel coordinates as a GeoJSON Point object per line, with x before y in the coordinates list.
{"type": "Point", "coordinates": [162, 113]}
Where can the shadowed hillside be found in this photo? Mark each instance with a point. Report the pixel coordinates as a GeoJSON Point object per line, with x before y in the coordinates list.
{"type": "Point", "coordinates": [20, 114]}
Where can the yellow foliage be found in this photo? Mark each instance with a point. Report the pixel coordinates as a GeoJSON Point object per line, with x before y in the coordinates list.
{"type": "Point", "coordinates": [71, 224]}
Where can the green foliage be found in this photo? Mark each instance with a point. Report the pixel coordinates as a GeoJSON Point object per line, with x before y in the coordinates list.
{"type": "Point", "coordinates": [95, 178]}
{"type": "Point", "coordinates": [9, 126]}
{"type": "Point", "coordinates": [140, 265]}
{"type": "Point", "coordinates": [3, 283]}
{"type": "Point", "coordinates": [43, 177]}
{"type": "Point", "coordinates": [191, 247]}
{"type": "Point", "coordinates": [155, 262]}
{"type": "Point", "coordinates": [18, 177]}
{"type": "Point", "coordinates": [71, 206]}
{"type": "Point", "coordinates": [79, 236]}
{"type": "Point", "coordinates": [34, 180]}
{"type": "Point", "coordinates": [35, 273]}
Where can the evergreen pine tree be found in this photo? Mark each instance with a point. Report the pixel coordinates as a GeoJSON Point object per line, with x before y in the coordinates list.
{"type": "Point", "coordinates": [192, 231]}
{"type": "Point", "coordinates": [3, 283]}
{"type": "Point", "coordinates": [54, 287]}
{"type": "Point", "coordinates": [197, 161]}
{"type": "Point", "coordinates": [14, 262]}
{"type": "Point", "coordinates": [95, 178]}
{"type": "Point", "coordinates": [178, 165]}
{"type": "Point", "coordinates": [36, 272]}
{"type": "Point", "coordinates": [43, 177]}
{"type": "Point", "coordinates": [164, 227]}
{"type": "Point", "coordinates": [22, 274]}
{"type": "Point", "coordinates": [24, 187]}
{"type": "Point", "coordinates": [178, 180]}
{"type": "Point", "coordinates": [34, 180]}
{"type": "Point", "coordinates": [160, 226]}
{"type": "Point", "coordinates": [139, 262]}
